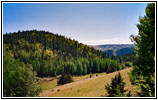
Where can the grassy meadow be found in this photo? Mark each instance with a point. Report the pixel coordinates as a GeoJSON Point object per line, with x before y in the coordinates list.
{"type": "Point", "coordinates": [84, 86]}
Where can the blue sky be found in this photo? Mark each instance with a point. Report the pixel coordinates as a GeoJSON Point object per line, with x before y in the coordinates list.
{"type": "Point", "coordinates": [88, 23]}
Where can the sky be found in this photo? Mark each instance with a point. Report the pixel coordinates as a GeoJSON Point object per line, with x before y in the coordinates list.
{"type": "Point", "coordinates": [88, 23]}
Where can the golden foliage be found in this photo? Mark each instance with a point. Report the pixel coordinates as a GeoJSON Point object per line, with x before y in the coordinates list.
{"type": "Point", "coordinates": [49, 52]}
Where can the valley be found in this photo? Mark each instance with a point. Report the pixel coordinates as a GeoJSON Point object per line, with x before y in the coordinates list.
{"type": "Point", "coordinates": [78, 50]}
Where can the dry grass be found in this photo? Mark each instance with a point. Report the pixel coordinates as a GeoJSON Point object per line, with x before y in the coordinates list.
{"type": "Point", "coordinates": [48, 83]}
{"type": "Point", "coordinates": [85, 86]}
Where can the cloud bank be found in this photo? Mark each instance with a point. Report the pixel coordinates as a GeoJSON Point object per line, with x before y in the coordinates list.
{"type": "Point", "coordinates": [106, 41]}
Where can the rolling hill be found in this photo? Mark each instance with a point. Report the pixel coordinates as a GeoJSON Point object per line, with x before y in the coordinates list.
{"type": "Point", "coordinates": [116, 49]}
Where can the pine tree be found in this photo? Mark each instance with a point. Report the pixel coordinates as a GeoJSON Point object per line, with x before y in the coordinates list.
{"type": "Point", "coordinates": [116, 88]}
{"type": "Point", "coordinates": [143, 73]}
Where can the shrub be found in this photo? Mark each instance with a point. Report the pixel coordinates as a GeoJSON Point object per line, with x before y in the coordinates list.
{"type": "Point", "coordinates": [90, 75]}
{"type": "Point", "coordinates": [129, 94]}
{"type": "Point", "coordinates": [116, 89]}
{"type": "Point", "coordinates": [127, 64]}
{"type": "Point", "coordinates": [65, 78]}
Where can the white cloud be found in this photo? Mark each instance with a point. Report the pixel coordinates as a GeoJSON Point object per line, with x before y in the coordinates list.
{"type": "Point", "coordinates": [106, 41]}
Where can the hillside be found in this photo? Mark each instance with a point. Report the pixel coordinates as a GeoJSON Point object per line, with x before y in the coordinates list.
{"type": "Point", "coordinates": [31, 54]}
{"type": "Point", "coordinates": [85, 86]}
{"type": "Point", "coordinates": [60, 44]}
{"type": "Point", "coordinates": [50, 54]}
{"type": "Point", "coordinates": [116, 49]}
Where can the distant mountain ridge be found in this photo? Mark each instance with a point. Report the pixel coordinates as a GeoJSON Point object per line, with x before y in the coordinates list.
{"type": "Point", "coordinates": [116, 49]}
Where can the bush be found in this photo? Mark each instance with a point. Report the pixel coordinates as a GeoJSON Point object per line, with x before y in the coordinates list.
{"type": "Point", "coordinates": [65, 78]}
{"type": "Point", "coordinates": [91, 75]}
{"type": "Point", "coordinates": [116, 89]}
{"type": "Point", "coordinates": [129, 94]}
{"type": "Point", "coordinates": [127, 64]}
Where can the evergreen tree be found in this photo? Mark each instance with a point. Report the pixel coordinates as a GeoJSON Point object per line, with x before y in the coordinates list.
{"type": "Point", "coordinates": [116, 88]}
{"type": "Point", "coordinates": [143, 73]}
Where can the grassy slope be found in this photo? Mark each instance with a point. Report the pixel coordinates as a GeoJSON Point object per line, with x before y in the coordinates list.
{"type": "Point", "coordinates": [85, 86]}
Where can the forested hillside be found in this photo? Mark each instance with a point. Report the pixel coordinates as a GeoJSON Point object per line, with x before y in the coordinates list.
{"type": "Point", "coordinates": [45, 54]}
{"type": "Point", "coordinates": [49, 54]}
